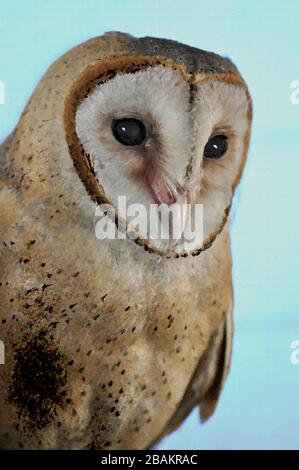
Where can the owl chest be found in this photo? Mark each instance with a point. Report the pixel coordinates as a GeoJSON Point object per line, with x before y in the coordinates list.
{"type": "Point", "coordinates": [130, 331]}
{"type": "Point", "coordinates": [157, 327]}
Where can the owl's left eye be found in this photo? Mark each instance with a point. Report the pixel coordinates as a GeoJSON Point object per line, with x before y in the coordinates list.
{"type": "Point", "coordinates": [216, 147]}
{"type": "Point", "coordinates": [129, 131]}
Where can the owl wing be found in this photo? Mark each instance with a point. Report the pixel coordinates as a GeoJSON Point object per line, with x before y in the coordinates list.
{"type": "Point", "coordinates": [208, 379]}
{"type": "Point", "coordinates": [218, 361]}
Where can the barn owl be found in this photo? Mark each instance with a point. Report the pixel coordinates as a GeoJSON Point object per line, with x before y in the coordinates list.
{"type": "Point", "coordinates": [110, 343]}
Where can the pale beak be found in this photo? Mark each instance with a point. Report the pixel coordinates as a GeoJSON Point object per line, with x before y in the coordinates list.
{"type": "Point", "coordinates": [160, 187]}
{"type": "Point", "coordinates": [168, 193]}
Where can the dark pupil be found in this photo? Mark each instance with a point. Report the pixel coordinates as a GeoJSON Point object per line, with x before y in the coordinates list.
{"type": "Point", "coordinates": [128, 131]}
{"type": "Point", "coordinates": [216, 146]}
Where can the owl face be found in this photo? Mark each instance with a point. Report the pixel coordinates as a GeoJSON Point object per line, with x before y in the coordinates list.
{"type": "Point", "coordinates": [167, 140]}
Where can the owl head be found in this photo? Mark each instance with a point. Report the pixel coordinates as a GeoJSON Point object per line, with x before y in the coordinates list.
{"type": "Point", "coordinates": [153, 121]}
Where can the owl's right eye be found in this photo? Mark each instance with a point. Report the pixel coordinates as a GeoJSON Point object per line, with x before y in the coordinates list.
{"type": "Point", "coordinates": [129, 131]}
{"type": "Point", "coordinates": [216, 146]}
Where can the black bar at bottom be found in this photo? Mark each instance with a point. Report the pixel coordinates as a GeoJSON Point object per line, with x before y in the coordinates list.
{"type": "Point", "coordinates": [135, 459]}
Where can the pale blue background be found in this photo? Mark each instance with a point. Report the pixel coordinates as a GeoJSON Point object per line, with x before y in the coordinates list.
{"type": "Point", "coordinates": [259, 407]}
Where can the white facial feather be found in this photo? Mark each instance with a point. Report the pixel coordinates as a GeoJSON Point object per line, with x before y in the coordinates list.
{"type": "Point", "coordinates": [157, 95]}
{"type": "Point", "coordinates": [219, 107]}
{"type": "Point", "coordinates": [161, 97]}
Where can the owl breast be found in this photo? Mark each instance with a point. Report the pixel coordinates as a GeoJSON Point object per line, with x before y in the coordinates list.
{"type": "Point", "coordinates": [115, 339]}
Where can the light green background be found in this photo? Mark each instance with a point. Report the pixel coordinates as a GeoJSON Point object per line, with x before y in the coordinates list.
{"type": "Point", "coordinates": [259, 407]}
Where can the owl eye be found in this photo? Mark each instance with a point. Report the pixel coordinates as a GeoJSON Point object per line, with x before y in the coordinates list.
{"type": "Point", "coordinates": [216, 146]}
{"type": "Point", "coordinates": [129, 131]}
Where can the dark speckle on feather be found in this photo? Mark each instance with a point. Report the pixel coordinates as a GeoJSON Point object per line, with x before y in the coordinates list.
{"type": "Point", "coordinates": [38, 380]}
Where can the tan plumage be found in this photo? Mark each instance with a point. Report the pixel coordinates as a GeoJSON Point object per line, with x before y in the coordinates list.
{"type": "Point", "coordinates": [109, 345]}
